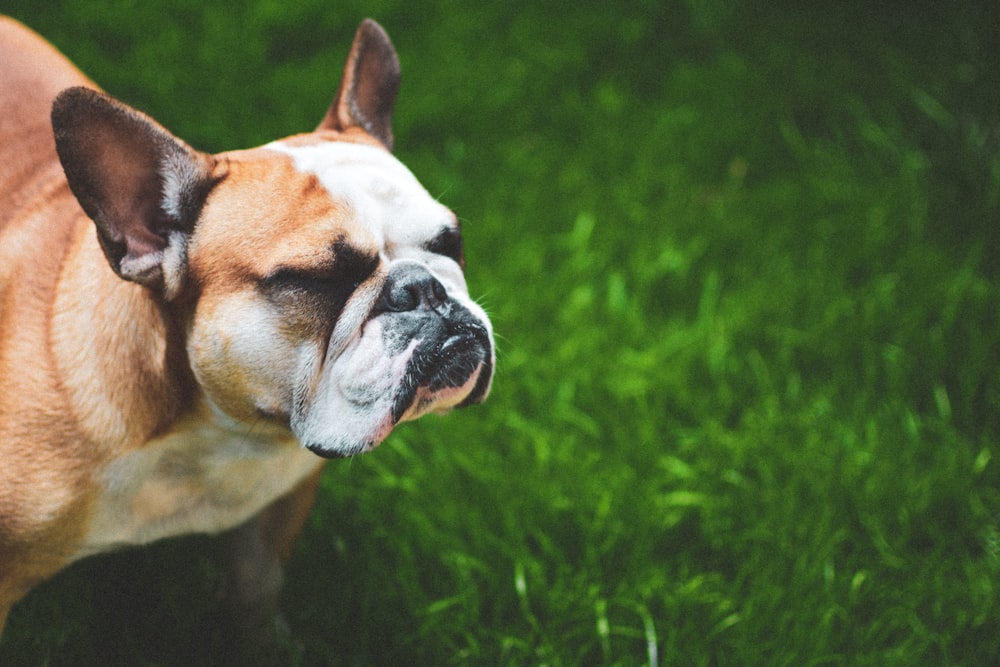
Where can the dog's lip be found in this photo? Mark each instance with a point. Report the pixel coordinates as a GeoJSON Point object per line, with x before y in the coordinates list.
{"type": "Point", "coordinates": [327, 453]}
{"type": "Point", "coordinates": [448, 365]}
{"type": "Point", "coordinates": [458, 344]}
{"type": "Point", "coordinates": [458, 349]}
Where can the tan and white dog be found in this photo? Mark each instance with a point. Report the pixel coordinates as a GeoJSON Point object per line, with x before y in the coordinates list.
{"type": "Point", "coordinates": [182, 333]}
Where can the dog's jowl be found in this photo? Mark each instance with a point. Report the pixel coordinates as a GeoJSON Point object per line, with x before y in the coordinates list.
{"type": "Point", "coordinates": [185, 337]}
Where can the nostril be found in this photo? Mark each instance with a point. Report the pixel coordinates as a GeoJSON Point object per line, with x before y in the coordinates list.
{"type": "Point", "coordinates": [400, 298]}
{"type": "Point", "coordinates": [438, 291]}
{"type": "Point", "coordinates": [410, 289]}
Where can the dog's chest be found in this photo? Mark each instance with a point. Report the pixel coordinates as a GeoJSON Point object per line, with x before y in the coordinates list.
{"type": "Point", "coordinates": [201, 479]}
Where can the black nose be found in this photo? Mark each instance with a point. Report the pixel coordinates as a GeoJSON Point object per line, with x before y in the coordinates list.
{"type": "Point", "coordinates": [411, 287]}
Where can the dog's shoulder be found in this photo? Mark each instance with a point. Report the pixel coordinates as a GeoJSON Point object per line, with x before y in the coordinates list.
{"type": "Point", "coordinates": [31, 69]}
{"type": "Point", "coordinates": [32, 73]}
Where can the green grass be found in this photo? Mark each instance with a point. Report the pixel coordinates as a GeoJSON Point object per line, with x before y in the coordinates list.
{"type": "Point", "coordinates": [743, 265]}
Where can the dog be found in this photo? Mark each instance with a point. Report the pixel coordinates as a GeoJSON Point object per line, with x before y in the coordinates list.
{"type": "Point", "coordinates": [186, 337]}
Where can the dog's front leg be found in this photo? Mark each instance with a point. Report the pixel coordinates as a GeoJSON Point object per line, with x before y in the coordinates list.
{"type": "Point", "coordinates": [257, 551]}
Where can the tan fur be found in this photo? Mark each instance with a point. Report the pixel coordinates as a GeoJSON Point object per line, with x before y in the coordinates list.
{"type": "Point", "coordinates": [157, 356]}
{"type": "Point", "coordinates": [308, 219]}
{"type": "Point", "coordinates": [90, 365]}
{"type": "Point", "coordinates": [42, 487]}
{"type": "Point", "coordinates": [55, 316]}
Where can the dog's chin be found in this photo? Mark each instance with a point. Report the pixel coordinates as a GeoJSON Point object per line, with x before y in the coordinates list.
{"type": "Point", "coordinates": [455, 374]}
{"type": "Point", "coordinates": [424, 400]}
{"type": "Point", "coordinates": [341, 450]}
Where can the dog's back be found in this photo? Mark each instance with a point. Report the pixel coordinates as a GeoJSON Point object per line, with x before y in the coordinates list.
{"type": "Point", "coordinates": [37, 216]}
{"type": "Point", "coordinates": [32, 73]}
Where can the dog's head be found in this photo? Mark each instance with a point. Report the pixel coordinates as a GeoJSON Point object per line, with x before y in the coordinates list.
{"type": "Point", "coordinates": [320, 285]}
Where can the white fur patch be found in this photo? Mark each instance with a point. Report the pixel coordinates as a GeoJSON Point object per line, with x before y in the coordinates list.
{"type": "Point", "coordinates": [174, 265]}
{"type": "Point", "coordinates": [140, 267]}
{"type": "Point", "coordinates": [208, 475]}
{"type": "Point", "coordinates": [352, 404]}
{"type": "Point", "coordinates": [180, 178]}
{"type": "Point", "coordinates": [386, 197]}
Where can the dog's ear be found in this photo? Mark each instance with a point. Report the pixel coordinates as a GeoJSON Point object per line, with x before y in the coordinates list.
{"type": "Point", "coordinates": [367, 93]}
{"type": "Point", "coordinates": [142, 187]}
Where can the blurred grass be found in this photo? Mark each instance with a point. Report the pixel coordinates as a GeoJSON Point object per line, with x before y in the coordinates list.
{"type": "Point", "coordinates": [743, 265]}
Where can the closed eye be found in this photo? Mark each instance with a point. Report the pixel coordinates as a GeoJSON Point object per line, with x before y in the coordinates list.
{"type": "Point", "coordinates": [349, 269]}
{"type": "Point", "coordinates": [299, 279]}
{"type": "Point", "coordinates": [448, 243]}
{"type": "Point", "coordinates": [318, 294]}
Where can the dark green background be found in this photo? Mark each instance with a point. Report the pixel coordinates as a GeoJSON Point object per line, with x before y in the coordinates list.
{"type": "Point", "coordinates": [743, 267]}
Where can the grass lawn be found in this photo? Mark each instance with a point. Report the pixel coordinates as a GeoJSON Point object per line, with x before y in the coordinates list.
{"type": "Point", "coordinates": [744, 266]}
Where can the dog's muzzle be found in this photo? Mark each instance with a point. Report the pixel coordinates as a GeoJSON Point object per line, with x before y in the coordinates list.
{"type": "Point", "coordinates": [453, 343]}
{"type": "Point", "coordinates": [421, 349]}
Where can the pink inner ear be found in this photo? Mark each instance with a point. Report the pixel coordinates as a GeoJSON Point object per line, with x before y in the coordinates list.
{"type": "Point", "coordinates": [375, 88]}
{"type": "Point", "coordinates": [118, 162]}
{"type": "Point", "coordinates": [133, 194]}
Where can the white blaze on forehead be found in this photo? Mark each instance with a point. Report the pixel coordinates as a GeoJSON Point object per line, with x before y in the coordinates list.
{"type": "Point", "coordinates": [385, 197]}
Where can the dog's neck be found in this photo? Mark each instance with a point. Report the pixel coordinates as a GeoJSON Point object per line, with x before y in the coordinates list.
{"type": "Point", "coordinates": [208, 473]}
{"type": "Point", "coordinates": [118, 350]}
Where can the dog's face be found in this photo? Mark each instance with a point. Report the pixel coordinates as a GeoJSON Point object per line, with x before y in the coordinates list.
{"type": "Point", "coordinates": [320, 285]}
{"type": "Point", "coordinates": [348, 317]}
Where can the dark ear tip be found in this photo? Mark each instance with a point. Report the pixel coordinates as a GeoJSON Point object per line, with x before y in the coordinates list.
{"type": "Point", "coordinates": [67, 100]}
{"type": "Point", "coordinates": [73, 102]}
{"type": "Point", "coordinates": [77, 91]}
{"type": "Point", "coordinates": [373, 36]}
{"type": "Point", "coordinates": [371, 25]}
{"type": "Point", "coordinates": [372, 29]}
{"type": "Point", "coordinates": [77, 94]}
